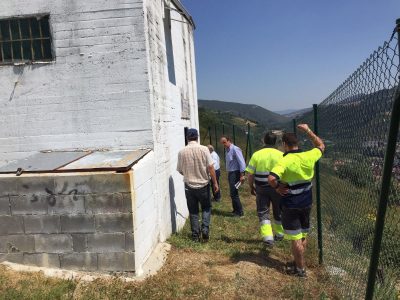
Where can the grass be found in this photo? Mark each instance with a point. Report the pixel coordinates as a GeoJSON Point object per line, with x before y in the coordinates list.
{"type": "Point", "coordinates": [232, 265]}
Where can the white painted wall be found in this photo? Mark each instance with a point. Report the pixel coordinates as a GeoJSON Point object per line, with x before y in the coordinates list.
{"type": "Point", "coordinates": [96, 92]}
{"type": "Point", "coordinates": [168, 126]}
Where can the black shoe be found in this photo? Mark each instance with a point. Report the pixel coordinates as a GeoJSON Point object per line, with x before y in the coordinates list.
{"type": "Point", "coordinates": [268, 244]}
{"type": "Point", "coordinates": [278, 238]}
{"type": "Point", "coordinates": [195, 238]}
{"type": "Point", "coordinates": [205, 236]}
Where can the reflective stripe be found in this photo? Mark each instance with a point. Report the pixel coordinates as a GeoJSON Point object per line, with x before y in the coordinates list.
{"type": "Point", "coordinates": [299, 191]}
{"type": "Point", "coordinates": [262, 173]}
{"type": "Point", "coordinates": [277, 222]}
{"type": "Point", "coordinates": [305, 230]}
{"type": "Point", "coordinates": [267, 238]}
{"type": "Point", "coordinates": [278, 229]}
{"type": "Point", "coordinates": [261, 179]}
{"type": "Point", "coordinates": [251, 168]}
{"type": "Point", "coordinates": [264, 222]}
{"type": "Point", "coordinates": [292, 232]}
{"type": "Point", "coordinates": [298, 182]}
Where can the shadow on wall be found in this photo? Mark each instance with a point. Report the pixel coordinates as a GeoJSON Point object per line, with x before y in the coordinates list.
{"type": "Point", "coordinates": [172, 203]}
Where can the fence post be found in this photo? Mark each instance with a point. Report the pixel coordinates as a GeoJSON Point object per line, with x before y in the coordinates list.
{"type": "Point", "coordinates": [216, 138]}
{"type": "Point", "coordinates": [385, 187]}
{"type": "Point", "coordinates": [247, 141]}
{"type": "Point", "coordinates": [318, 196]}
{"type": "Point", "coordinates": [234, 134]}
{"type": "Point", "coordinates": [223, 133]}
{"type": "Point", "coordinates": [209, 133]}
{"type": "Point", "coordinates": [294, 126]}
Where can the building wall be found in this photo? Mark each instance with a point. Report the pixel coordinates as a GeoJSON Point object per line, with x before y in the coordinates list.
{"type": "Point", "coordinates": [166, 102]}
{"type": "Point", "coordinates": [95, 95]}
{"type": "Point", "coordinates": [77, 221]}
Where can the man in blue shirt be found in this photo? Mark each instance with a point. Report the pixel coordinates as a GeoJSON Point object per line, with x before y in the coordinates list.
{"type": "Point", "coordinates": [235, 166]}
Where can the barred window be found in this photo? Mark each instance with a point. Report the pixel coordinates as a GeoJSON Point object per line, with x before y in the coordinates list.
{"type": "Point", "coordinates": [25, 40]}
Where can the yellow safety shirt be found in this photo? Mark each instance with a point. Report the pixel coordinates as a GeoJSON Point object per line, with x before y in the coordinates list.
{"type": "Point", "coordinates": [261, 164]}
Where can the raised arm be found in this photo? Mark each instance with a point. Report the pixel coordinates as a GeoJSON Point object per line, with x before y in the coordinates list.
{"type": "Point", "coordinates": [317, 142]}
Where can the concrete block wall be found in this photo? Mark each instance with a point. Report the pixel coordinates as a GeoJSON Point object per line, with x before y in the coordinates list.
{"type": "Point", "coordinates": [71, 221]}
{"type": "Point", "coordinates": [94, 95]}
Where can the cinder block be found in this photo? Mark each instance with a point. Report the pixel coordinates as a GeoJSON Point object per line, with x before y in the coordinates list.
{"type": "Point", "coordinates": [5, 205]}
{"type": "Point", "coordinates": [106, 242]}
{"type": "Point", "coordinates": [32, 184]}
{"type": "Point", "coordinates": [17, 258]}
{"type": "Point", "coordinates": [47, 260]}
{"type": "Point", "coordinates": [79, 261]}
{"type": "Point", "coordinates": [79, 242]}
{"type": "Point", "coordinates": [17, 243]}
{"type": "Point", "coordinates": [77, 224]}
{"type": "Point", "coordinates": [11, 225]}
{"type": "Point", "coordinates": [67, 204]}
{"type": "Point", "coordinates": [42, 224]}
{"type": "Point", "coordinates": [93, 183]}
{"type": "Point", "coordinates": [29, 204]}
{"type": "Point", "coordinates": [8, 186]}
{"type": "Point", "coordinates": [108, 203]}
{"type": "Point", "coordinates": [129, 242]}
{"type": "Point", "coordinates": [53, 243]}
{"type": "Point", "coordinates": [122, 261]}
{"type": "Point", "coordinates": [110, 223]}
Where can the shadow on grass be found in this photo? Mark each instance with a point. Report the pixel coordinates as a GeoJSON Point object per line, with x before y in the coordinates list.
{"type": "Point", "coordinates": [219, 212]}
{"type": "Point", "coordinates": [260, 258]}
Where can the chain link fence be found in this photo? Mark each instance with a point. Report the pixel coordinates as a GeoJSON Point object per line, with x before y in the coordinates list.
{"type": "Point", "coordinates": [355, 123]}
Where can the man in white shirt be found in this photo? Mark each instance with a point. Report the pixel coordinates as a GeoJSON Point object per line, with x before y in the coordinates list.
{"type": "Point", "coordinates": [215, 157]}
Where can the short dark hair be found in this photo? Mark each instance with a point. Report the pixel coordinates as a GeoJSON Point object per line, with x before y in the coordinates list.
{"type": "Point", "coordinates": [290, 139]}
{"type": "Point", "coordinates": [226, 137]}
{"type": "Point", "coordinates": [270, 138]}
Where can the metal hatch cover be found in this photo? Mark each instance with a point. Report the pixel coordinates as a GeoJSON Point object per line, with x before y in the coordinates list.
{"type": "Point", "coordinates": [43, 161]}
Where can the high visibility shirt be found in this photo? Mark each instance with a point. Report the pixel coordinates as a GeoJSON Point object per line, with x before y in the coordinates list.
{"type": "Point", "coordinates": [296, 170]}
{"type": "Point", "coordinates": [261, 164]}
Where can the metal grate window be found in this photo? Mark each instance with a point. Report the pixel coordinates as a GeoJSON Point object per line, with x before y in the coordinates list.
{"type": "Point", "coordinates": [25, 40]}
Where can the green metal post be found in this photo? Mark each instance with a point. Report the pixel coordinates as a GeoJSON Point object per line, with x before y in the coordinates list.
{"type": "Point", "coordinates": [247, 141]}
{"type": "Point", "coordinates": [223, 133]}
{"type": "Point", "coordinates": [209, 133]}
{"type": "Point", "coordinates": [385, 188]}
{"type": "Point", "coordinates": [318, 196]}
{"type": "Point", "coordinates": [294, 126]}
{"type": "Point", "coordinates": [216, 138]}
{"type": "Point", "coordinates": [234, 134]}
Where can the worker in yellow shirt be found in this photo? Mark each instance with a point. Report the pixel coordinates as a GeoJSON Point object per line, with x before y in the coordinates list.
{"type": "Point", "coordinates": [258, 169]}
{"type": "Point", "coordinates": [292, 178]}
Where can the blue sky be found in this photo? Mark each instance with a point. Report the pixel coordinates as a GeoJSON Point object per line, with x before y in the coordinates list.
{"type": "Point", "coordinates": [284, 54]}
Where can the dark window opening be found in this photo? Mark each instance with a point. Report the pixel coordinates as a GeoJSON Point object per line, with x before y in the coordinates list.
{"type": "Point", "coordinates": [168, 45]}
{"type": "Point", "coordinates": [25, 40]}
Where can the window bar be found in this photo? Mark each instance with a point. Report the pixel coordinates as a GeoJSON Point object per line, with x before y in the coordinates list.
{"type": "Point", "coordinates": [11, 41]}
{"type": "Point", "coordinates": [41, 37]}
{"type": "Point", "coordinates": [31, 41]}
{"type": "Point", "coordinates": [21, 42]}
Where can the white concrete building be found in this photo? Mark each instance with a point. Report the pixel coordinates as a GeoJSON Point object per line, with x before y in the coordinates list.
{"type": "Point", "coordinates": [104, 76]}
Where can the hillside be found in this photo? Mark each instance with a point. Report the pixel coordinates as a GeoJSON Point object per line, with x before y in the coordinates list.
{"type": "Point", "coordinates": [258, 114]}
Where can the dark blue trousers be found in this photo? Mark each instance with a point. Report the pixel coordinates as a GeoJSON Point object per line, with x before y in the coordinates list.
{"type": "Point", "coordinates": [233, 178]}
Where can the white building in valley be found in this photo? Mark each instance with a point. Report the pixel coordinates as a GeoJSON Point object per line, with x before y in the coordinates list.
{"type": "Point", "coordinates": [84, 87]}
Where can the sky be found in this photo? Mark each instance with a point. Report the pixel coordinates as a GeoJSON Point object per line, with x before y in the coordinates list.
{"type": "Point", "coordinates": [284, 54]}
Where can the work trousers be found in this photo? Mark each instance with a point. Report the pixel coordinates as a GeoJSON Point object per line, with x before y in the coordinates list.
{"type": "Point", "coordinates": [265, 196]}
{"type": "Point", "coordinates": [194, 198]}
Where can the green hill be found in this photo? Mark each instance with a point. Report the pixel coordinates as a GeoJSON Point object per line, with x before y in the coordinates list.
{"type": "Point", "coordinates": [255, 113]}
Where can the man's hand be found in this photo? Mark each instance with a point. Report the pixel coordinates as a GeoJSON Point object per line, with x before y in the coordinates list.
{"type": "Point", "coordinates": [282, 190]}
{"type": "Point", "coordinates": [242, 178]}
{"type": "Point", "coordinates": [253, 191]}
{"type": "Point", "coordinates": [215, 188]}
{"type": "Point", "coordinates": [303, 127]}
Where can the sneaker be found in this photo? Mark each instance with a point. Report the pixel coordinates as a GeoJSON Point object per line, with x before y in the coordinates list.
{"type": "Point", "coordinates": [278, 238]}
{"type": "Point", "coordinates": [300, 273]}
{"type": "Point", "coordinates": [290, 268]}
